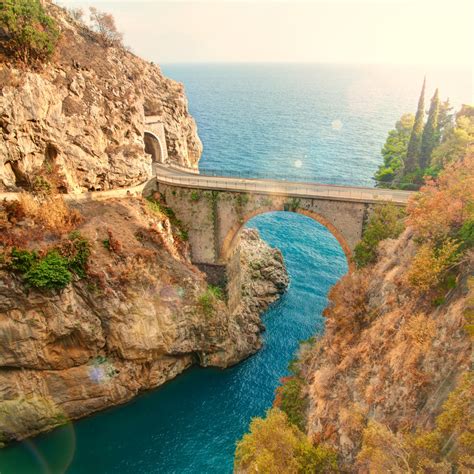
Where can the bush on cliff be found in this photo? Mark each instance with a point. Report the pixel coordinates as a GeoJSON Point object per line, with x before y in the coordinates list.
{"type": "Point", "coordinates": [274, 446]}
{"type": "Point", "coordinates": [446, 448]}
{"type": "Point", "coordinates": [54, 269]}
{"type": "Point", "coordinates": [32, 34]}
{"type": "Point", "coordinates": [290, 399]}
{"type": "Point", "coordinates": [51, 272]}
{"type": "Point", "coordinates": [385, 223]}
{"type": "Point", "coordinates": [442, 217]}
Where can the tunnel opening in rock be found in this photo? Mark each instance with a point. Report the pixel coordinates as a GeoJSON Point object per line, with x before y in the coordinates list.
{"type": "Point", "coordinates": [153, 147]}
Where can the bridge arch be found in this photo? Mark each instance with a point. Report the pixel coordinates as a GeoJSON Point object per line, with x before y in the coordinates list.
{"type": "Point", "coordinates": [231, 239]}
{"type": "Point", "coordinates": [154, 147]}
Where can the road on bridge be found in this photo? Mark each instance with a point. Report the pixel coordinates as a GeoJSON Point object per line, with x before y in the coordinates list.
{"type": "Point", "coordinates": [169, 175]}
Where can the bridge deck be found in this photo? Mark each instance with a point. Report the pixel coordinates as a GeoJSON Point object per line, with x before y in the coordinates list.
{"type": "Point", "coordinates": [177, 177]}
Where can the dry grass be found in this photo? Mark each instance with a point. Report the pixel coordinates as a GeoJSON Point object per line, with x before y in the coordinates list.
{"type": "Point", "coordinates": [30, 218]}
{"type": "Point", "coordinates": [51, 212]}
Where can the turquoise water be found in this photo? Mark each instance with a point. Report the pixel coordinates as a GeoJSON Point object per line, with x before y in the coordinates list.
{"type": "Point", "coordinates": [324, 123]}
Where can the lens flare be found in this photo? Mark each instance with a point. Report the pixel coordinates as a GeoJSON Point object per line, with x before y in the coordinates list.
{"type": "Point", "coordinates": [336, 125]}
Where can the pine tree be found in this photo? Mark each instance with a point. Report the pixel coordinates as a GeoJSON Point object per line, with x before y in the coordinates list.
{"type": "Point", "coordinates": [414, 145]}
{"type": "Point", "coordinates": [430, 137]}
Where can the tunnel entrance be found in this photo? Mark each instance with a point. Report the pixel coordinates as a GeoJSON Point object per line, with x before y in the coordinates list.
{"type": "Point", "coordinates": [153, 147]}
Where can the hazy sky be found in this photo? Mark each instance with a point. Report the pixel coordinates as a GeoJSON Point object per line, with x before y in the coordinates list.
{"type": "Point", "coordinates": [336, 31]}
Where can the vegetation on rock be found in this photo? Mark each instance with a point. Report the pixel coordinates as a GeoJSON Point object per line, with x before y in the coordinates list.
{"type": "Point", "coordinates": [207, 301]}
{"type": "Point", "coordinates": [53, 269]}
{"type": "Point", "coordinates": [274, 446]}
{"type": "Point", "coordinates": [291, 400]}
{"type": "Point", "coordinates": [449, 447]}
{"type": "Point", "coordinates": [32, 34]}
{"type": "Point", "coordinates": [386, 222]}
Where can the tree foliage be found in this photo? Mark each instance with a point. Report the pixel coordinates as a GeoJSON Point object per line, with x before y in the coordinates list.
{"type": "Point", "coordinates": [414, 144]}
{"type": "Point", "coordinates": [444, 205]}
{"type": "Point", "coordinates": [394, 150]}
{"type": "Point", "coordinates": [290, 399]}
{"type": "Point", "coordinates": [442, 216]}
{"type": "Point", "coordinates": [275, 446]}
{"type": "Point", "coordinates": [385, 223]}
{"type": "Point", "coordinates": [104, 25]}
{"type": "Point", "coordinates": [458, 140]}
{"type": "Point", "coordinates": [430, 137]}
{"type": "Point", "coordinates": [32, 34]}
{"type": "Point", "coordinates": [414, 152]}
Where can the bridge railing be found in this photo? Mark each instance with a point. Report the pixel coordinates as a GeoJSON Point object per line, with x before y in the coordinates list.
{"type": "Point", "coordinates": [293, 189]}
{"type": "Point", "coordinates": [287, 175]}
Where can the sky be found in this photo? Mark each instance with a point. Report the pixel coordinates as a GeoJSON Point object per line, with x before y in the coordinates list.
{"type": "Point", "coordinates": [333, 31]}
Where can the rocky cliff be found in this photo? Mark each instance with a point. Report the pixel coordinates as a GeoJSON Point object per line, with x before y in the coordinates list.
{"type": "Point", "coordinates": [81, 117]}
{"type": "Point", "coordinates": [389, 385]}
{"type": "Point", "coordinates": [141, 315]}
{"type": "Point", "coordinates": [386, 356]}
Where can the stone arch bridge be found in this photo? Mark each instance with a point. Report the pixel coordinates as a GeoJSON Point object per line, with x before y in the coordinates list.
{"type": "Point", "coordinates": [215, 208]}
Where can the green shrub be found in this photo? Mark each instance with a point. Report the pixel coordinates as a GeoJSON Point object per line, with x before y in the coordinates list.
{"type": "Point", "coordinates": [32, 34]}
{"type": "Point", "coordinates": [195, 196]}
{"type": "Point", "coordinates": [292, 401]}
{"type": "Point", "coordinates": [385, 223]}
{"type": "Point", "coordinates": [77, 259]}
{"type": "Point", "coordinates": [466, 234]}
{"type": "Point", "coordinates": [50, 272]}
{"type": "Point", "coordinates": [208, 299]}
{"type": "Point", "coordinates": [22, 260]}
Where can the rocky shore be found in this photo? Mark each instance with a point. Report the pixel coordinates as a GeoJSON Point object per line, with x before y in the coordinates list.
{"type": "Point", "coordinates": [141, 317]}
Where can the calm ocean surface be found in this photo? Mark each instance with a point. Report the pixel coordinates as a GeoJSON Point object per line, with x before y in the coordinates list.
{"type": "Point", "coordinates": [302, 122]}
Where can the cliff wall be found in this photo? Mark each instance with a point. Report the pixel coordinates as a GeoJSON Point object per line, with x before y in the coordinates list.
{"type": "Point", "coordinates": [81, 117]}
{"type": "Point", "coordinates": [142, 314]}
{"type": "Point", "coordinates": [386, 355]}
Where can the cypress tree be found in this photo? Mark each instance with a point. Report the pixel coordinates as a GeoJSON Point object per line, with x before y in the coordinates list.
{"type": "Point", "coordinates": [430, 137]}
{"type": "Point", "coordinates": [414, 145]}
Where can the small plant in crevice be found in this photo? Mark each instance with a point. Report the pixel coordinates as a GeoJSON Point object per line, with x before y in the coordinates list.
{"type": "Point", "coordinates": [195, 196]}
{"type": "Point", "coordinates": [292, 205]}
{"type": "Point", "coordinates": [207, 301]}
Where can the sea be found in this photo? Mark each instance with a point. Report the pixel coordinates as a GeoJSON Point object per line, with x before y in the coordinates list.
{"type": "Point", "coordinates": [300, 122]}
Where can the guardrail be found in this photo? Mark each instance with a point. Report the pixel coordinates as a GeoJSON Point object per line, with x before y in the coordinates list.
{"type": "Point", "coordinates": [287, 188]}
{"type": "Point", "coordinates": [286, 175]}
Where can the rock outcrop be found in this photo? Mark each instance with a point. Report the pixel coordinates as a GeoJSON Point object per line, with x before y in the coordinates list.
{"type": "Point", "coordinates": [386, 355]}
{"type": "Point", "coordinates": [82, 118]}
{"type": "Point", "coordinates": [262, 278]}
{"type": "Point", "coordinates": [136, 321]}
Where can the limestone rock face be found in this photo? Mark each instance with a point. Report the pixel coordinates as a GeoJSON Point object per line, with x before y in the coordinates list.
{"type": "Point", "coordinates": [82, 118]}
{"type": "Point", "coordinates": [133, 324]}
{"type": "Point", "coordinates": [262, 279]}
{"type": "Point", "coordinates": [385, 354]}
